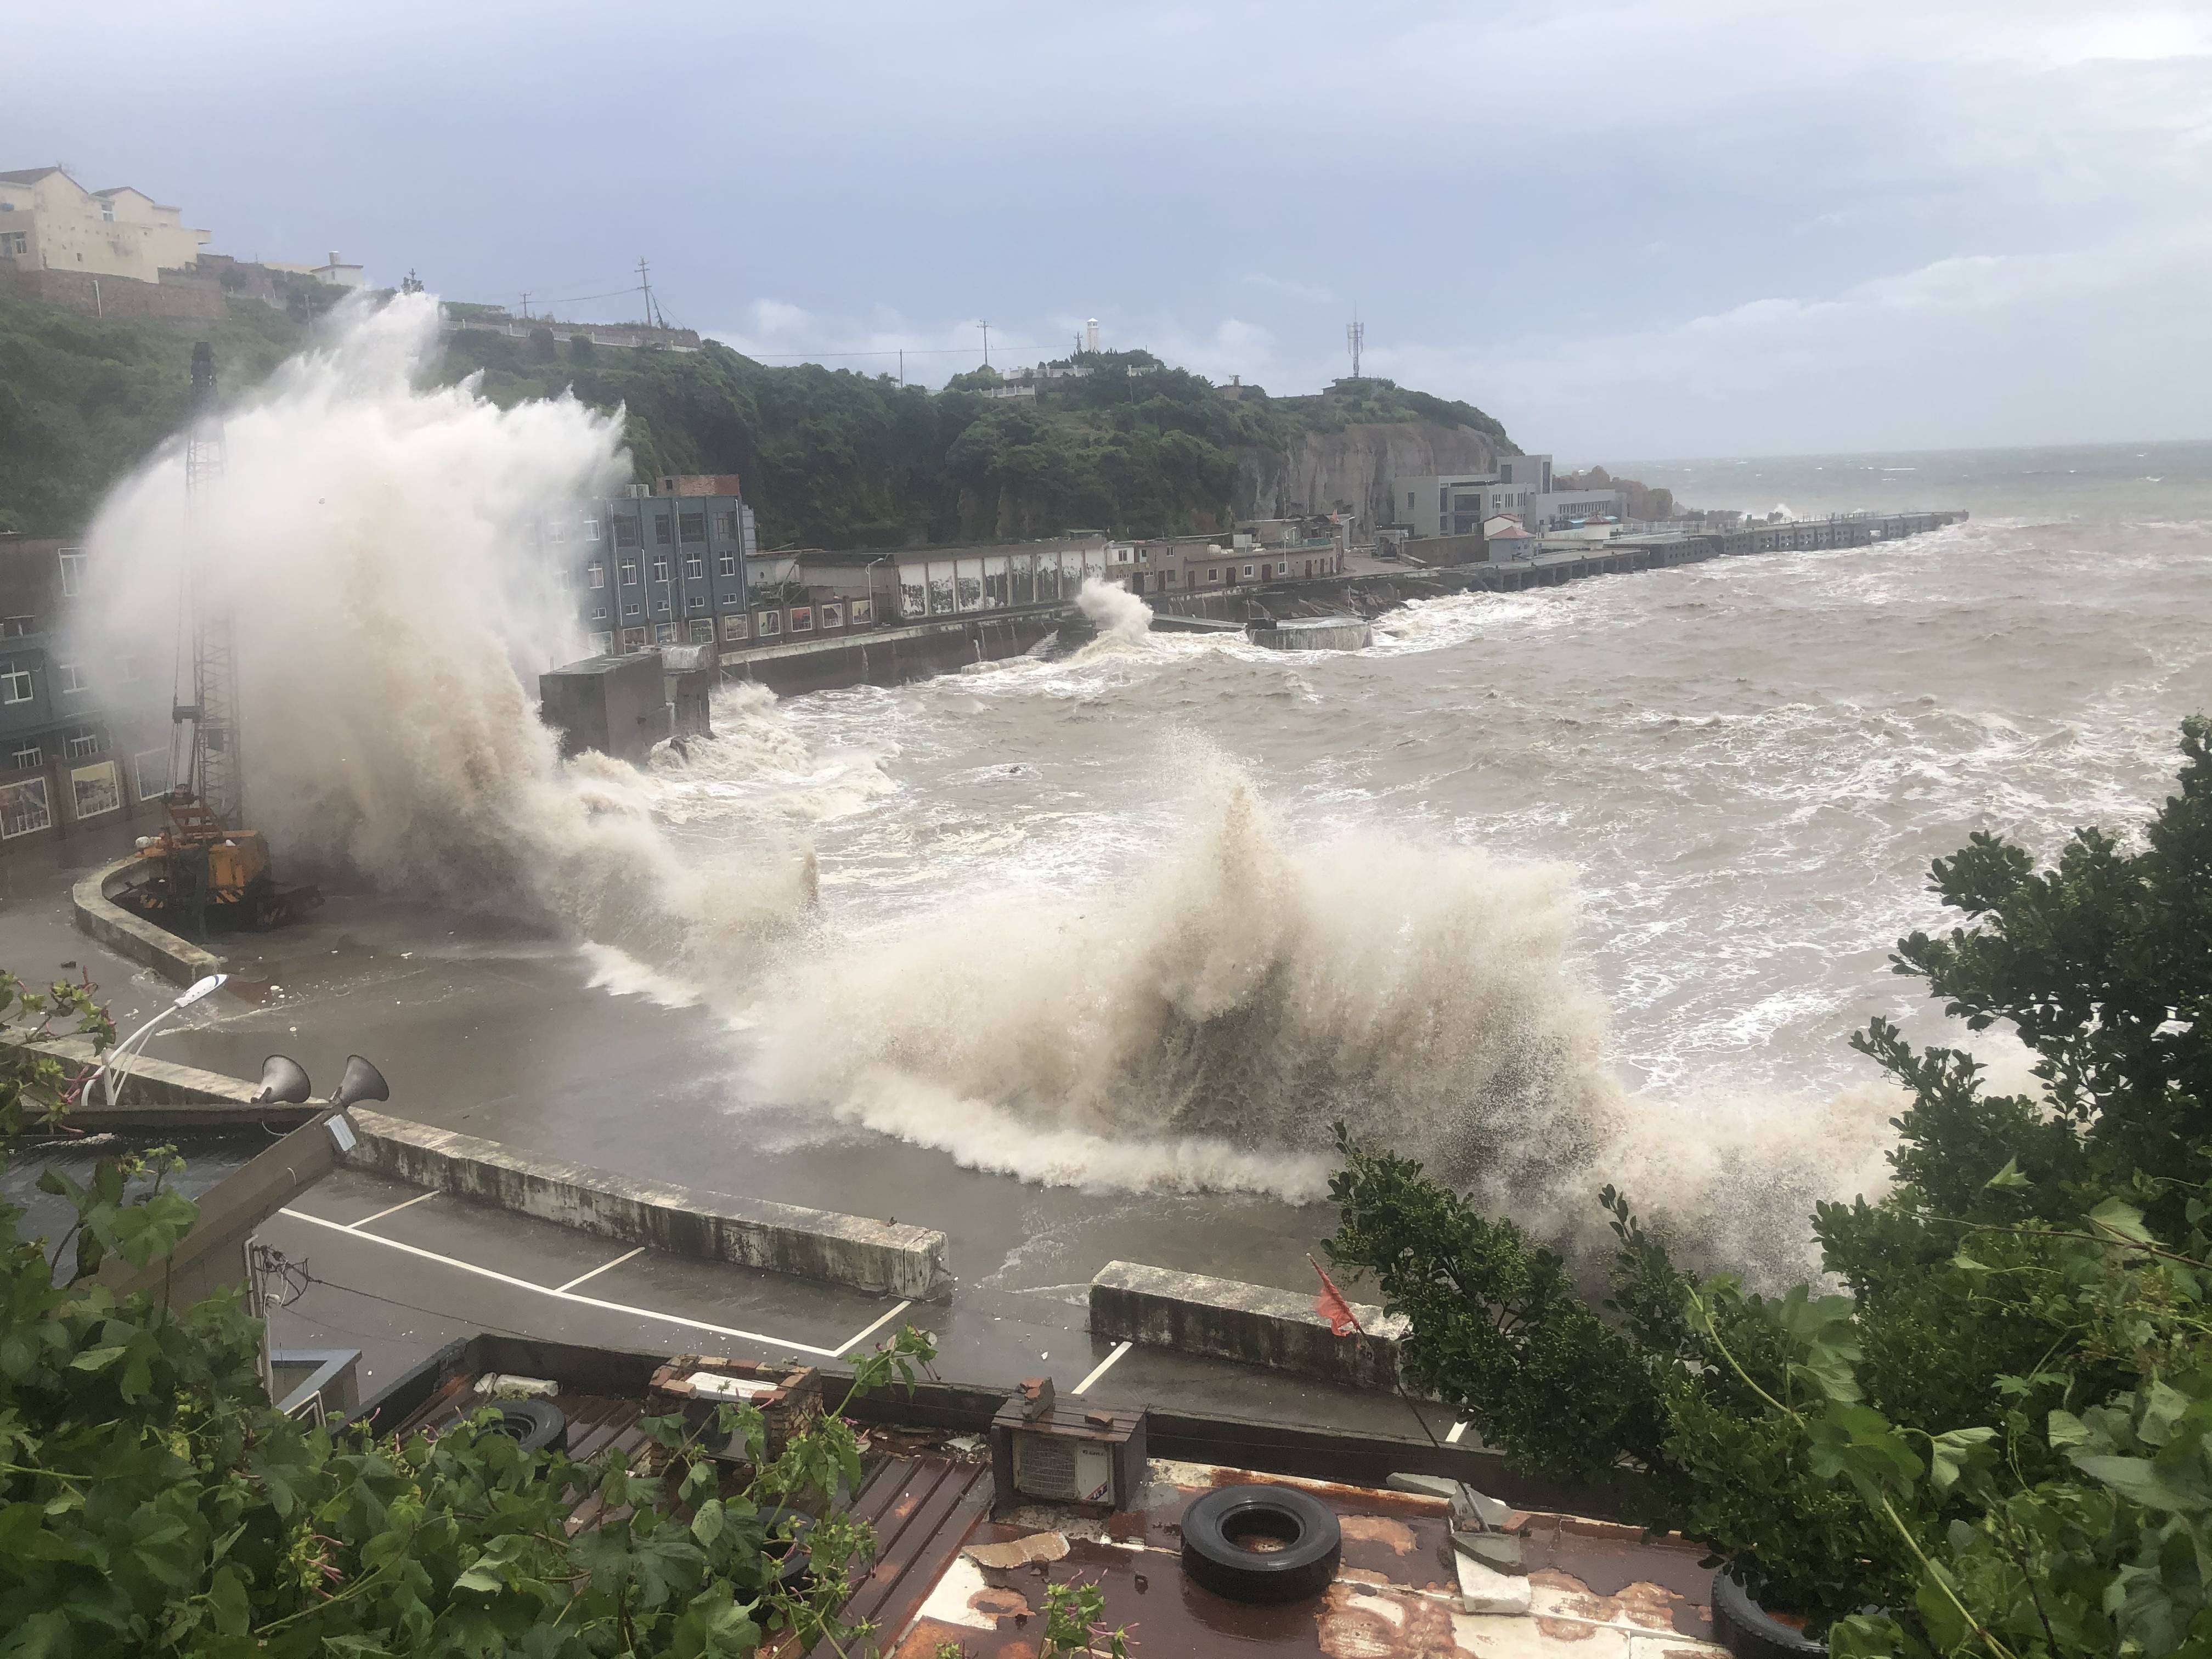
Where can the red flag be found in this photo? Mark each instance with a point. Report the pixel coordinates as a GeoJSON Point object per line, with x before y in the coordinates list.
{"type": "Point", "coordinates": [1331, 1305]}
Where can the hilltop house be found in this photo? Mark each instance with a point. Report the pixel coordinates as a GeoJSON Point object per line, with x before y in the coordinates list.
{"type": "Point", "coordinates": [49, 222]}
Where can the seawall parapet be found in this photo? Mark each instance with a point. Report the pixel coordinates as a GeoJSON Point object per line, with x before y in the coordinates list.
{"type": "Point", "coordinates": [1229, 1319]}
{"type": "Point", "coordinates": [96, 914]}
{"type": "Point", "coordinates": [891, 1258]}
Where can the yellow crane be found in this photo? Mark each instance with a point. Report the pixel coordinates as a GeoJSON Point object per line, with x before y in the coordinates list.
{"type": "Point", "coordinates": [204, 869]}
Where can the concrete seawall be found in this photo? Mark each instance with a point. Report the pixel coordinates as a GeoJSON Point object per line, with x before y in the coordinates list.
{"type": "Point", "coordinates": [159, 1094]}
{"type": "Point", "coordinates": [886, 1257]}
{"type": "Point", "coordinates": [177, 960]}
{"type": "Point", "coordinates": [1229, 1319]}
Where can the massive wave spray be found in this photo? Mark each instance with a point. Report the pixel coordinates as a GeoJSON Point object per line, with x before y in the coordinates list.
{"type": "Point", "coordinates": [372, 539]}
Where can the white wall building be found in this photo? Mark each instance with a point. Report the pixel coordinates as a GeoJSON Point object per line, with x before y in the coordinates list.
{"type": "Point", "coordinates": [49, 222]}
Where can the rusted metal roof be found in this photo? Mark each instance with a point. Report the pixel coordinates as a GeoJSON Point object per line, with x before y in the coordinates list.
{"type": "Point", "coordinates": [1598, 1591]}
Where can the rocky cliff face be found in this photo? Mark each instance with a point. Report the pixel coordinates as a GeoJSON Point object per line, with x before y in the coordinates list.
{"type": "Point", "coordinates": [1321, 470]}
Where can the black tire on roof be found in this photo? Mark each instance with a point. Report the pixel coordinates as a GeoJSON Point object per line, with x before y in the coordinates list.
{"type": "Point", "coordinates": [1312, 1543]}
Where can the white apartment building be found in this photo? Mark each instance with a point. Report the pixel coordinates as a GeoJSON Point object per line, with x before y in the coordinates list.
{"type": "Point", "coordinates": [1457, 504]}
{"type": "Point", "coordinates": [49, 222]}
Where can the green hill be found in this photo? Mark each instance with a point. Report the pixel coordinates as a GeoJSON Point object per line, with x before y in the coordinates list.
{"type": "Point", "coordinates": [830, 457]}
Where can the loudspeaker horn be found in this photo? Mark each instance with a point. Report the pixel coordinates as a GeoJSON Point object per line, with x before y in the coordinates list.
{"type": "Point", "coordinates": [284, 1082]}
{"type": "Point", "coordinates": [361, 1081]}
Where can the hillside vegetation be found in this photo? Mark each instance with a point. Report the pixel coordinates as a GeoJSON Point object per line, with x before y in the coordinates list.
{"type": "Point", "coordinates": [829, 457]}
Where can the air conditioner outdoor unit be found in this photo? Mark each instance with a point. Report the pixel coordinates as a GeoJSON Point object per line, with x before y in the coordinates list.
{"type": "Point", "coordinates": [1046, 1452]}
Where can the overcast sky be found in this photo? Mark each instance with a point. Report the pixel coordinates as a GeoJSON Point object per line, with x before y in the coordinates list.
{"type": "Point", "coordinates": [1669, 227]}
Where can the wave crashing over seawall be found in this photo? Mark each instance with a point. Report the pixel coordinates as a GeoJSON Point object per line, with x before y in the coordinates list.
{"type": "Point", "coordinates": [1202, 1028]}
{"type": "Point", "coordinates": [374, 538]}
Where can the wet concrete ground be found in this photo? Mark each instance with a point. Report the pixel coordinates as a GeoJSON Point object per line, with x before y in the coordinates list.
{"type": "Point", "coordinates": [496, 1032]}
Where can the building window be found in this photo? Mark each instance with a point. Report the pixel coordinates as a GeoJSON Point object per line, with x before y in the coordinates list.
{"type": "Point", "coordinates": [730, 527]}
{"type": "Point", "coordinates": [863, 613]}
{"type": "Point", "coordinates": [1409, 501]}
{"type": "Point", "coordinates": [733, 627]}
{"type": "Point", "coordinates": [15, 241]}
{"type": "Point", "coordinates": [29, 756]}
{"type": "Point", "coordinates": [733, 599]}
{"type": "Point", "coordinates": [625, 532]}
{"type": "Point", "coordinates": [74, 573]}
{"type": "Point", "coordinates": [802, 619]}
{"type": "Point", "coordinates": [151, 770]}
{"type": "Point", "coordinates": [556, 530]}
{"type": "Point", "coordinates": [72, 675]}
{"type": "Point", "coordinates": [591, 529]}
{"type": "Point", "coordinates": [664, 633]}
{"type": "Point", "coordinates": [18, 627]}
{"type": "Point", "coordinates": [660, 528]}
{"type": "Point", "coordinates": [727, 565]}
{"type": "Point", "coordinates": [633, 639]}
{"type": "Point", "coordinates": [1247, 572]}
{"type": "Point", "coordinates": [628, 573]}
{"type": "Point", "coordinates": [698, 602]}
{"type": "Point", "coordinates": [562, 579]}
{"type": "Point", "coordinates": [602, 644]}
{"type": "Point", "coordinates": [15, 682]}
{"type": "Point", "coordinates": [768, 624]}
{"type": "Point", "coordinates": [82, 744]}
{"type": "Point", "coordinates": [833, 615]}
{"type": "Point", "coordinates": [660, 570]}
{"type": "Point", "coordinates": [703, 632]}
{"type": "Point", "coordinates": [660, 607]}
{"type": "Point", "coordinates": [24, 808]}
{"type": "Point", "coordinates": [1121, 556]}
{"type": "Point", "coordinates": [694, 569]}
{"type": "Point", "coordinates": [1214, 575]}
{"type": "Point", "coordinates": [692, 526]}
{"type": "Point", "coordinates": [94, 790]}
{"type": "Point", "coordinates": [596, 573]}
{"type": "Point", "coordinates": [629, 611]}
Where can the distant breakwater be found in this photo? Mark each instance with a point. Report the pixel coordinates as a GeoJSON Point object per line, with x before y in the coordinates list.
{"type": "Point", "coordinates": [907, 651]}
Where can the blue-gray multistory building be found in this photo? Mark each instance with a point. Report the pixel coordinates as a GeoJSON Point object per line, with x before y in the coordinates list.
{"type": "Point", "coordinates": [674, 562]}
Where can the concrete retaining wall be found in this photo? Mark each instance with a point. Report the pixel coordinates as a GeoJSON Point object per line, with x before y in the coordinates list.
{"type": "Point", "coordinates": [1229, 1319]}
{"type": "Point", "coordinates": [176, 960]}
{"type": "Point", "coordinates": [157, 1094]}
{"type": "Point", "coordinates": [870, 1256]}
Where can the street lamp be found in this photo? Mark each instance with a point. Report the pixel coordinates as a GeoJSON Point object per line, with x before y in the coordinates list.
{"type": "Point", "coordinates": [199, 988]}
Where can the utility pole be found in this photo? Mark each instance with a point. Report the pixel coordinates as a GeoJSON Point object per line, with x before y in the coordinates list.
{"type": "Point", "coordinates": [652, 317]}
{"type": "Point", "coordinates": [986, 327]}
{"type": "Point", "coordinates": [525, 304]}
{"type": "Point", "coordinates": [901, 351]}
{"type": "Point", "coordinates": [1355, 336]}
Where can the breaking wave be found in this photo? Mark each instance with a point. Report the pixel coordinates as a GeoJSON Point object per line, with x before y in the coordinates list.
{"type": "Point", "coordinates": [371, 536]}
{"type": "Point", "coordinates": [1201, 1029]}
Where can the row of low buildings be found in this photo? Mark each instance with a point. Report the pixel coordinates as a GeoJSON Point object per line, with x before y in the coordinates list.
{"type": "Point", "coordinates": [678, 562]}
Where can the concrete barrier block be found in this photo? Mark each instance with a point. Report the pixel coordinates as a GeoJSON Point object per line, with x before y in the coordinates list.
{"type": "Point", "coordinates": [179, 961]}
{"type": "Point", "coordinates": [886, 1257]}
{"type": "Point", "coordinates": [158, 1094]}
{"type": "Point", "coordinates": [1229, 1319]}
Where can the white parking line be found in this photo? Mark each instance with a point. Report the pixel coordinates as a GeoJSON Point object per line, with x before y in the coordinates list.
{"type": "Point", "coordinates": [871, 1328]}
{"type": "Point", "coordinates": [1451, 1438]}
{"type": "Point", "coordinates": [395, 1209]}
{"type": "Point", "coordinates": [784, 1343]}
{"type": "Point", "coordinates": [603, 1266]}
{"type": "Point", "coordinates": [1101, 1368]}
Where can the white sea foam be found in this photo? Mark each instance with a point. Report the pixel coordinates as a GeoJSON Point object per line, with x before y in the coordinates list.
{"type": "Point", "coordinates": [371, 538]}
